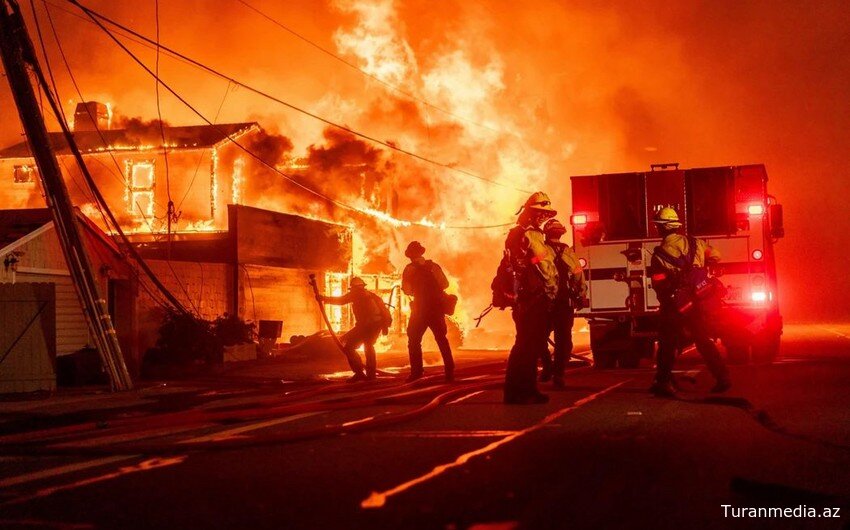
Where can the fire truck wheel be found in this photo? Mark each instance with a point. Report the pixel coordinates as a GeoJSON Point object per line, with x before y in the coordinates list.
{"type": "Point", "coordinates": [765, 348]}
{"type": "Point", "coordinates": [604, 359]}
{"type": "Point", "coordinates": [639, 349]}
{"type": "Point", "coordinates": [737, 352]}
{"type": "Point", "coordinates": [629, 359]}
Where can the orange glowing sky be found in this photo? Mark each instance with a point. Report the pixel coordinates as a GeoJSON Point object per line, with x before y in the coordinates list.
{"type": "Point", "coordinates": [568, 88]}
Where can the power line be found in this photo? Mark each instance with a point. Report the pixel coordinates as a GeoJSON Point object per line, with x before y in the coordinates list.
{"type": "Point", "coordinates": [97, 17]}
{"type": "Point", "coordinates": [67, 64]}
{"type": "Point", "coordinates": [171, 215]}
{"type": "Point", "coordinates": [229, 137]}
{"type": "Point", "coordinates": [100, 201]}
{"type": "Point", "coordinates": [390, 86]}
{"type": "Point", "coordinates": [201, 155]}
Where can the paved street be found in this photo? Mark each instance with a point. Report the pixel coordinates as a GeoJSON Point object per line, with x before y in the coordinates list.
{"type": "Point", "coordinates": [602, 454]}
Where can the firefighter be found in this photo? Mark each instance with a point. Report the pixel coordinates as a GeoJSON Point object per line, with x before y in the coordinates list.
{"type": "Point", "coordinates": [371, 318]}
{"type": "Point", "coordinates": [678, 271]}
{"type": "Point", "coordinates": [425, 281]}
{"type": "Point", "coordinates": [536, 286]}
{"type": "Point", "coordinates": [572, 292]}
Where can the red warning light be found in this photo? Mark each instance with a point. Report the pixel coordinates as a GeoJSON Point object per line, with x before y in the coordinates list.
{"type": "Point", "coordinates": [755, 209]}
{"type": "Point", "coordinates": [579, 219]}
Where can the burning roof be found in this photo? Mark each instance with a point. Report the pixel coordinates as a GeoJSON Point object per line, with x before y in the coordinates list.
{"type": "Point", "coordinates": [138, 138]}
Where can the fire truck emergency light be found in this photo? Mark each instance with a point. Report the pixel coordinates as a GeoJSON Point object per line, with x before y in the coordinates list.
{"type": "Point", "coordinates": [758, 254]}
{"type": "Point", "coordinates": [579, 219]}
{"type": "Point", "coordinates": [755, 209]}
{"type": "Point", "coordinates": [582, 262]}
{"type": "Point", "coordinates": [759, 296]}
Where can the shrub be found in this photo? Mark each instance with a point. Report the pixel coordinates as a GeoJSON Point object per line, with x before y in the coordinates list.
{"type": "Point", "coordinates": [232, 330]}
{"type": "Point", "coordinates": [184, 339]}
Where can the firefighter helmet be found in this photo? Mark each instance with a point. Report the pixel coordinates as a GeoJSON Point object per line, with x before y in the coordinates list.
{"type": "Point", "coordinates": [668, 218]}
{"type": "Point", "coordinates": [414, 250]}
{"type": "Point", "coordinates": [356, 282]}
{"type": "Point", "coordinates": [539, 202]}
{"type": "Point", "coordinates": [554, 228]}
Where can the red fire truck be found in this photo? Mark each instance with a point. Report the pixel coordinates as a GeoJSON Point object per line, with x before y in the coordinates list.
{"type": "Point", "coordinates": [614, 238]}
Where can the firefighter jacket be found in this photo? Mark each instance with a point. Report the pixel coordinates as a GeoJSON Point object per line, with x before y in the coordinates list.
{"type": "Point", "coordinates": [572, 284]}
{"type": "Point", "coordinates": [368, 307]}
{"type": "Point", "coordinates": [425, 281]}
{"type": "Point", "coordinates": [664, 274]}
{"type": "Point", "coordinates": [533, 261]}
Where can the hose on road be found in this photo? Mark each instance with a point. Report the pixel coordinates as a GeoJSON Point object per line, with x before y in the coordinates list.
{"type": "Point", "coordinates": [171, 448]}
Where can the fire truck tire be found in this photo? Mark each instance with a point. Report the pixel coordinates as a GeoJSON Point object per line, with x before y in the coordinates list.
{"type": "Point", "coordinates": [631, 357]}
{"type": "Point", "coordinates": [604, 359]}
{"type": "Point", "coordinates": [737, 352]}
{"type": "Point", "coordinates": [765, 348]}
{"type": "Point", "coordinates": [608, 341]}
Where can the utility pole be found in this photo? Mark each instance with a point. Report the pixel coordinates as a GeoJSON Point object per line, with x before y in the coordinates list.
{"type": "Point", "coordinates": [18, 56]}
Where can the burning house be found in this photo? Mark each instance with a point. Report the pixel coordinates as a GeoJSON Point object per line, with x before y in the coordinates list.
{"type": "Point", "coordinates": [204, 206]}
{"type": "Point", "coordinates": [140, 167]}
{"type": "Point", "coordinates": [213, 254]}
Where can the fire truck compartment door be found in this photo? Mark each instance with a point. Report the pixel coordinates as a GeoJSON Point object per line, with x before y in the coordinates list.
{"type": "Point", "coordinates": [737, 269]}
{"type": "Point", "coordinates": [604, 261]}
{"type": "Point", "coordinates": [664, 188]}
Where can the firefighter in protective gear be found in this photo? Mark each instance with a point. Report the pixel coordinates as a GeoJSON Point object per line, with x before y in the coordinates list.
{"type": "Point", "coordinates": [425, 281]}
{"type": "Point", "coordinates": [536, 281]}
{"type": "Point", "coordinates": [371, 317]}
{"type": "Point", "coordinates": [673, 263]}
{"type": "Point", "coordinates": [572, 293]}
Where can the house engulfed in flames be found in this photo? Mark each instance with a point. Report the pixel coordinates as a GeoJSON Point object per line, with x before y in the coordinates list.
{"type": "Point", "coordinates": [222, 255]}
{"type": "Point", "coordinates": [203, 168]}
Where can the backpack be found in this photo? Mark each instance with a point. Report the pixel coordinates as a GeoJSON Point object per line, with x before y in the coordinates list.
{"type": "Point", "coordinates": [428, 289]}
{"type": "Point", "coordinates": [504, 284]}
{"type": "Point", "coordinates": [692, 285]}
{"type": "Point", "coordinates": [386, 316]}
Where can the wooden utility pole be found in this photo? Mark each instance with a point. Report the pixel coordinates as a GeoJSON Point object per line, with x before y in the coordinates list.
{"type": "Point", "coordinates": [18, 56]}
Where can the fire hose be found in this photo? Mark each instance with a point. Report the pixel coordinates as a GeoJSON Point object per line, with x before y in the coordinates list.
{"type": "Point", "coordinates": [227, 444]}
{"type": "Point", "coordinates": [325, 318]}
{"type": "Point", "coordinates": [264, 409]}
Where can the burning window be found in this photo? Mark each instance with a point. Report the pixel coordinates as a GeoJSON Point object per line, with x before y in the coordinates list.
{"type": "Point", "coordinates": [25, 174]}
{"type": "Point", "coordinates": [335, 285]}
{"type": "Point", "coordinates": [141, 182]}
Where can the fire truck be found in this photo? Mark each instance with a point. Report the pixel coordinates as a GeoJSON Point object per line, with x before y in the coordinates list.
{"type": "Point", "coordinates": [614, 238]}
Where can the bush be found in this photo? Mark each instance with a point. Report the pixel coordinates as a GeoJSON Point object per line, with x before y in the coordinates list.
{"type": "Point", "coordinates": [232, 330]}
{"type": "Point", "coordinates": [184, 339]}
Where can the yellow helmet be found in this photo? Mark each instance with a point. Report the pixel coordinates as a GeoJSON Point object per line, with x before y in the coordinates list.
{"type": "Point", "coordinates": [667, 217]}
{"type": "Point", "coordinates": [540, 202]}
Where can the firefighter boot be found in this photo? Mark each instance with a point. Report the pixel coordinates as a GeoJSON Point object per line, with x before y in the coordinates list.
{"type": "Point", "coordinates": [357, 377]}
{"type": "Point", "coordinates": [558, 381]}
{"type": "Point", "coordinates": [665, 389]}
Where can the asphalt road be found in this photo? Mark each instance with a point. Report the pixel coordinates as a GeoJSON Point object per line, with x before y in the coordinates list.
{"type": "Point", "coordinates": [602, 454]}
